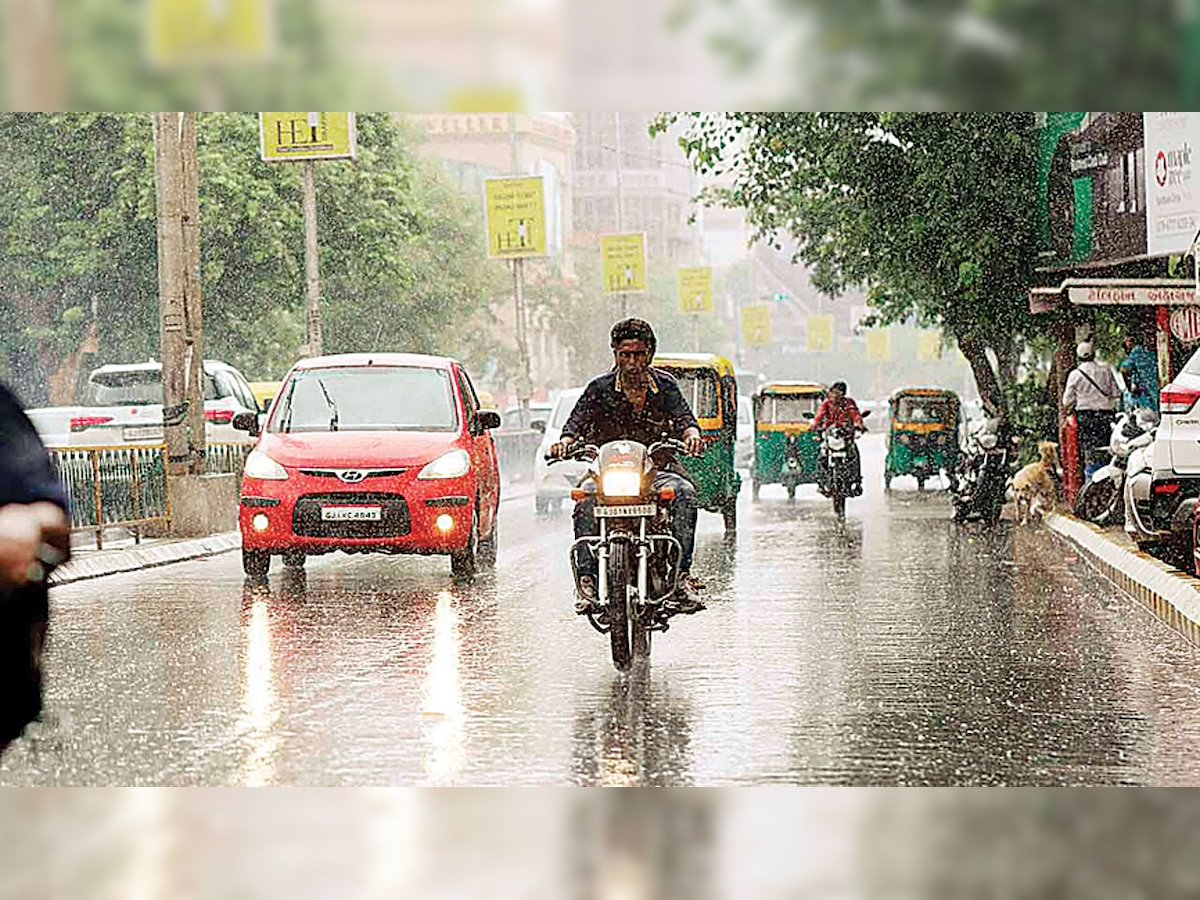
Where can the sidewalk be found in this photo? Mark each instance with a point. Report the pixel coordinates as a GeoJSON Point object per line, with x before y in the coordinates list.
{"type": "Point", "coordinates": [1171, 595]}
{"type": "Point", "coordinates": [123, 555]}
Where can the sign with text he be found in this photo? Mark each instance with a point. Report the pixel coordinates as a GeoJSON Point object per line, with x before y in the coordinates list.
{"type": "Point", "coordinates": [819, 334]}
{"type": "Point", "coordinates": [289, 136]}
{"type": "Point", "coordinates": [624, 259]}
{"type": "Point", "coordinates": [695, 290]}
{"type": "Point", "coordinates": [756, 326]}
{"type": "Point", "coordinates": [516, 217]}
{"type": "Point", "coordinates": [208, 32]}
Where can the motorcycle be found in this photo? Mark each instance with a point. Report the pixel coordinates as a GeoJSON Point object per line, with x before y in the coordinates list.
{"type": "Point", "coordinates": [1101, 499]}
{"type": "Point", "coordinates": [840, 466]}
{"type": "Point", "coordinates": [638, 555]}
{"type": "Point", "coordinates": [984, 467]}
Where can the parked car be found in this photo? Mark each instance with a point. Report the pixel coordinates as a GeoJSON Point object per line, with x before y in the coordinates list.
{"type": "Point", "coordinates": [552, 485]}
{"type": "Point", "coordinates": [265, 393]}
{"type": "Point", "coordinates": [122, 404]}
{"type": "Point", "coordinates": [372, 453]}
{"type": "Point", "coordinates": [743, 451]}
{"type": "Point", "coordinates": [1164, 515]}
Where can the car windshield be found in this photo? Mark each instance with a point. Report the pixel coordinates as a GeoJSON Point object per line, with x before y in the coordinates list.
{"type": "Point", "coordinates": [137, 387]}
{"type": "Point", "coordinates": [923, 410]}
{"type": "Point", "coordinates": [367, 398]}
{"type": "Point", "coordinates": [699, 389]}
{"type": "Point", "coordinates": [777, 408]}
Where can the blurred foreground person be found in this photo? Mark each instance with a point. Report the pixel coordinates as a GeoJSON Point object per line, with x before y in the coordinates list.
{"type": "Point", "coordinates": [34, 538]}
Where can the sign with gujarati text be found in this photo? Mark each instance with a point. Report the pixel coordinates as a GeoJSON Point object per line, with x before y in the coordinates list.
{"type": "Point", "coordinates": [1133, 295]}
{"type": "Point", "coordinates": [1185, 324]}
{"type": "Point", "coordinates": [624, 262]}
{"type": "Point", "coordinates": [695, 290]}
{"type": "Point", "coordinates": [516, 217]}
{"type": "Point", "coordinates": [756, 326]}
{"type": "Point", "coordinates": [289, 136]}
{"type": "Point", "coordinates": [819, 334]}
{"type": "Point", "coordinates": [207, 33]}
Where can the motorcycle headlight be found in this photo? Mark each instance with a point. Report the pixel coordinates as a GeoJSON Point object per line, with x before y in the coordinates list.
{"type": "Point", "coordinates": [988, 441]}
{"type": "Point", "coordinates": [621, 483]}
{"type": "Point", "coordinates": [259, 465]}
{"type": "Point", "coordinates": [454, 464]}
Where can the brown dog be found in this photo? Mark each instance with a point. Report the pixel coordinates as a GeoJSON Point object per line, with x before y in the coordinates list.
{"type": "Point", "coordinates": [1035, 488]}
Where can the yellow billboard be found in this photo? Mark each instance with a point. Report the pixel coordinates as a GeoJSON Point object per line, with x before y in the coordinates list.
{"type": "Point", "coordinates": [204, 33]}
{"type": "Point", "coordinates": [756, 326]}
{"type": "Point", "coordinates": [695, 290]}
{"type": "Point", "coordinates": [288, 136]}
{"type": "Point", "coordinates": [929, 346]}
{"type": "Point", "coordinates": [516, 217]}
{"type": "Point", "coordinates": [819, 334]}
{"type": "Point", "coordinates": [879, 347]}
{"type": "Point", "coordinates": [624, 258]}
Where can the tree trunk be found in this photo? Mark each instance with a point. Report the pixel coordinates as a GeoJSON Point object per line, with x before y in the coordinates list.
{"type": "Point", "coordinates": [986, 380]}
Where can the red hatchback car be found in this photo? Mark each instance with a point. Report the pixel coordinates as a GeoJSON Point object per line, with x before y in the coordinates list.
{"type": "Point", "coordinates": [371, 453]}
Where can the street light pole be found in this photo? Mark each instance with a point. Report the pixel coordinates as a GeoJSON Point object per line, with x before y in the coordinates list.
{"type": "Point", "coordinates": [524, 382]}
{"type": "Point", "coordinates": [620, 204]}
{"type": "Point", "coordinates": [312, 272]}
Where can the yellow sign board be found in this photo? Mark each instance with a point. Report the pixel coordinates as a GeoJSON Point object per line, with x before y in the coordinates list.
{"type": "Point", "coordinates": [929, 346]}
{"type": "Point", "coordinates": [695, 290]}
{"type": "Point", "coordinates": [624, 258]}
{"type": "Point", "coordinates": [879, 347]}
{"type": "Point", "coordinates": [756, 326]}
{"type": "Point", "coordinates": [306, 135]}
{"type": "Point", "coordinates": [819, 334]}
{"type": "Point", "coordinates": [516, 217]}
{"type": "Point", "coordinates": [207, 32]}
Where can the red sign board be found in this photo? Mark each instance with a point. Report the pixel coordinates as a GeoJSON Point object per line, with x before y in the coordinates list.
{"type": "Point", "coordinates": [1185, 324]}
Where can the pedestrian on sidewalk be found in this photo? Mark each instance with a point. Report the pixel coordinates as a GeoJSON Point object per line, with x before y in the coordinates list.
{"type": "Point", "coordinates": [1093, 391]}
{"type": "Point", "coordinates": [1140, 368]}
{"type": "Point", "coordinates": [35, 534]}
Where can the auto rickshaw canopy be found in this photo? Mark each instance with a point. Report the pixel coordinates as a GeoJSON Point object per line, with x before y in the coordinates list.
{"type": "Point", "coordinates": [924, 409]}
{"type": "Point", "coordinates": [704, 400]}
{"type": "Point", "coordinates": [783, 405]}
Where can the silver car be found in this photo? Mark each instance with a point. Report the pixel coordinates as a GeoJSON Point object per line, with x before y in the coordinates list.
{"type": "Point", "coordinates": [552, 484]}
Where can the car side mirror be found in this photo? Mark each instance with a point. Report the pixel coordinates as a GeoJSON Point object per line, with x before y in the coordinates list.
{"type": "Point", "coordinates": [866, 414]}
{"type": "Point", "coordinates": [809, 415]}
{"type": "Point", "coordinates": [488, 419]}
{"type": "Point", "coordinates": [538, 425]}
{"type": "Point", "coordinates": [246, 421]}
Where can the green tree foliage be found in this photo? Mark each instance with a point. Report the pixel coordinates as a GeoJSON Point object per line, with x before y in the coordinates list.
{"type": "Point", "coordinates": [401, 254]}
{"type": "Point", "coordinates": [932, 213]}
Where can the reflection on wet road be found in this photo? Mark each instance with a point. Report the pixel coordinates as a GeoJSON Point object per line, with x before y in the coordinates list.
{"type": "Point", "coordinates": [902, 649]}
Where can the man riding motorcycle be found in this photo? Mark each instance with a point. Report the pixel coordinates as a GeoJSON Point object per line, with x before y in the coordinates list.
{"type": "Point", "coordinates": [636, 402]}
{"type": "Point", "coordinates": [836, 410]}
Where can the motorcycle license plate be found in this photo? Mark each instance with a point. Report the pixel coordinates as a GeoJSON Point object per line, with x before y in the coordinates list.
{"type": "Point", "coordinates": [837, 455]}
{"type": "Point", "coordinates": [623, 512]}
{"type": "Point", "coordinates": [351, 513]}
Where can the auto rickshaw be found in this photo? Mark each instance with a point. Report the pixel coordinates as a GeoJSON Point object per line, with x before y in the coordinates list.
{"type": "Point", "coordinates": [785, 448]}
{"type": "Point", "coordinates": [922, 435]}
{"type": "Point", "coordinates": [707, 382]}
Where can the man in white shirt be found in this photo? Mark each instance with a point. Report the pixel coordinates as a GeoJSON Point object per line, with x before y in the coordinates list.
{"type": "Point", "coordinates": [1093, 392]}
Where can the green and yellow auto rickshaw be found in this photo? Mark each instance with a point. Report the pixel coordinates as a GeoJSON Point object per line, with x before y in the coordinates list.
{"type": "Point", "coordinates": [708, 383]}
{"type": "Point", "coordinates": [922, 435]}
{"type": "Point", "coordinates": [785, 447]}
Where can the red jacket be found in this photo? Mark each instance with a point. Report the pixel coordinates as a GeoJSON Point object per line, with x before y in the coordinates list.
{"type": "Point", "coordinates": [830, 413]}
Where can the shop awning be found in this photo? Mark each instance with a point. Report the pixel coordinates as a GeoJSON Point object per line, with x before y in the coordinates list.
{"type": "Point", "coordinates": [1114, 292]}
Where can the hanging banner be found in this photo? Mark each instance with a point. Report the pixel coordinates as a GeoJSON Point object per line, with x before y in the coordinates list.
{"type": "Point", "coordinates": [819, 334]}
{"type": "Point", "coordinates": [879, 347]}
{"type": "Point", "coordinates": [929, 346]}
{"type": "Point", "coordinates": [695, 290]}
{"type": "Point", "coordinates": [624, 262]}
{"type": "Point", "coordinates": [288, 136]}
{"type": "Point", "coordinates": [756, 326]}
{"type": "Point", "coordinates": [516, 217]}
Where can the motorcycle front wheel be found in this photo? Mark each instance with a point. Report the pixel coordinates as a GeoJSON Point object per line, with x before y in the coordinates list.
{"type": "Point", "coordinates": [1096, 501]}
{"type": "Point", "coordinates": [839, 506]}
{"type": "Point", "coordinates": [619, 560]}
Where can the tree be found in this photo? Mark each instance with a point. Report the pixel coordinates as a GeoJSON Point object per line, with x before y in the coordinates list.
{"type": "Point", "coordinates": [932, 213]}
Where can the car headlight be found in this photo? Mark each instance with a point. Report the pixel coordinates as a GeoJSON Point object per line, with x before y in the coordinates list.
{"type": "Point", "coordinates": [259, 465]}
{"type": "Point", "coordinates": [621, 483]}
{"type": "Point", "coordinates": [454, 464]}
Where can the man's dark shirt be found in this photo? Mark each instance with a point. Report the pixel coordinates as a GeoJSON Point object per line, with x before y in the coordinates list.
{"type": "Point", "coordinates": [26, 475]}
{"type": "Point", "coordinates": [603, 413]}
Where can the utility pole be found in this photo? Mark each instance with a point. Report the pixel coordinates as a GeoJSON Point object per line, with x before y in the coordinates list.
{"type": "Point", "coordinates": [180, 325]}
{"type": "Point", "coordinates": [36, 80]}
{"type": "Point", "coordinates": [620, 203]}
{"type": "Point", "coordinates": [312, 273]}
{"type": "Point", "coordinates": [525, 381]}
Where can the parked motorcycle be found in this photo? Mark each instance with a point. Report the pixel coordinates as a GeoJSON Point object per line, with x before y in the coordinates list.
{"type": "Point", "coordinates": [983, 471]}
{"type": "Point", "coordinates": [1101, 499]}
{"type": "Point", "coordinates": [638, 555]}
{"type": "Point", "coordinates": [840, 466]}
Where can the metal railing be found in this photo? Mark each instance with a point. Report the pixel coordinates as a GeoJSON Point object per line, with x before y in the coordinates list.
{"type": "Point", "coordinates": [126, 486]}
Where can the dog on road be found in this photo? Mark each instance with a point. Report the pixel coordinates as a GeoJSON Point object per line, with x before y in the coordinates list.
{"type": "Point", "coordinates": [1035, 487]}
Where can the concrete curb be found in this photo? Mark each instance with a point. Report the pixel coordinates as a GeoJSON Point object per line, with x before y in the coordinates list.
{"type": "Point", "coordinates": [146, 556]}
{"type": "Point", "coordinates": [1172, 596]}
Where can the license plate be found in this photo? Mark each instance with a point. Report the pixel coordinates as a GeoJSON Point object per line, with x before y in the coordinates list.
{"type": "Point", "coordinates": [143, 432]}
{"type": "Point", "coordinates": [351, 513]}
{"type": "Point", "coordinates": [636, 509]}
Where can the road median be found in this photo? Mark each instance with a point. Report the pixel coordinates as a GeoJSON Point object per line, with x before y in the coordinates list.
{"type": "Point", "coordinates": [146, 555]}
{"type": "Point", "coordinates": [1170, 595]}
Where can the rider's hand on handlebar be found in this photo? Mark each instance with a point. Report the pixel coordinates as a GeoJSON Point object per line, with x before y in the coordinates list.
{"type": "Point", "coordinates": [693, 444]}
{"type": "Point", "coordinates": [558, 450]}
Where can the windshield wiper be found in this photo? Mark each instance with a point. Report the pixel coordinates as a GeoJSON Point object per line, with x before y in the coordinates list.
{"type": "Point", "coordinates": [333, 420]}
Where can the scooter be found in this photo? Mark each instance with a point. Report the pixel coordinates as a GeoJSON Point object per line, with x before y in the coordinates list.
{"type": "Point", "coordinates": [1101, 498]}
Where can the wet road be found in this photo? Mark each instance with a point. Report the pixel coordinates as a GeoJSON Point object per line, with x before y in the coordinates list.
{"type": "Point", "coordinates": [905, 651]}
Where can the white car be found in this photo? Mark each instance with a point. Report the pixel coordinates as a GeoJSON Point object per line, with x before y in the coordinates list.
{"type": "Point", "coordinates": [552, 483]}
{"type": "Point", "coordinates": [122, 404]}
{"type": "Point", "coordinates": [743, 451]}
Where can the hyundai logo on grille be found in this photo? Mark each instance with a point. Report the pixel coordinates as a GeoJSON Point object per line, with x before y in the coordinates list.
{"type": "Point", "coordinates": [352, 476]}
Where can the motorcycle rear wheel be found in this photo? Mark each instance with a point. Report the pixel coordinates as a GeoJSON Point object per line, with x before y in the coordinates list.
{"type": "Point", "coordinates": [619, 560]}
{"type": "Point", "coordinates": [1096, 501]}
